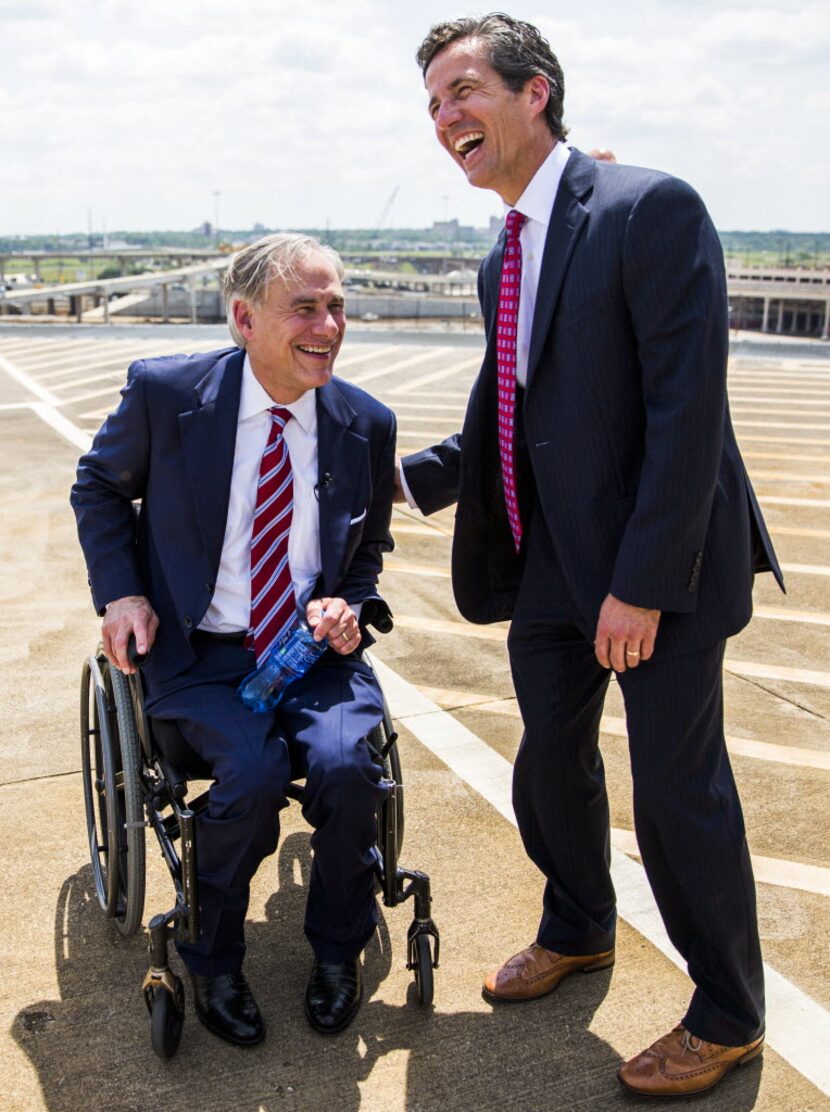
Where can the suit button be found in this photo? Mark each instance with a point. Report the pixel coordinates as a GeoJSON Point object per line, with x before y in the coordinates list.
{"type": "Point", "coordinates": [188, 622]}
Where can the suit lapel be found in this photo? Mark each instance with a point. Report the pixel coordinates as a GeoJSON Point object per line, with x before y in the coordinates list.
{"type": "Point", "coordinates": [208, 441]}
{"type": "Point", "coordinates": [341, 457]}
{"type": "Point", "coordinates": [567, 220]}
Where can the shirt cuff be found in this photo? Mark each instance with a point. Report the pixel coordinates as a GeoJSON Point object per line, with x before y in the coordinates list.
{"type": "Point", "coordinates": [407, 493]}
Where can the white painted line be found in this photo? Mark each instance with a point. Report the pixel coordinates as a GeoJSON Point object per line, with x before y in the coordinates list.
{"type": "Point", "coordinates": [435, 406]}
{"type": "Point", "coordinates": [780, 425]}
{"type": "Point", "coordinates": [431, 571]}
{"type": "Point", "coordinates": [449, 372]}
{"type": "Point", "coordinates": [798, 1028]}
{"type": "Point", "coordinates": [410, 418]}
{"type": "Point", "coordinates": [768, 870]}
{"type": "Point", "coordinates": [806, 569]}
{"type": "Point", "coordinates": [400, 365]}
{"type": "Point", "coordinates": [793, 531]}
{"type": "Point", "coordinates": [787, 477]}
{"type": "Point", "coordinates": [62, 425]}
{"type": "Point", "coordinates": [365, 354]}
{"type": "Point", "coordinates": [31, 385]}
{"type": "Point", "coordinates": [821, 442]}
{"type": "Point", "coordinates": [413, 530]}
{"type": "Point", "coordinates": [774, 500]}
{"type": "Point", "coordinates": [783, 410]}
{"type": "Point", "coordinates": [427, 435]}
{"type": "Point", "coordinates": [785, 614]}
{"type": "Point", "coordinates": [777, 672]}
{"type": "Point", "coordinates": [611, 726]}
{"type": "Point", "coordinates": [738, 667]}
{"type": "Point", "coordinates": [446, 395]}
{"type": "Point", "coordinates": [790, 457]}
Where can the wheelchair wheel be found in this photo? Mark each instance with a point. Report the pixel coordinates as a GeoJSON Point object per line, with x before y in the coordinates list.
{"type": "Point", "coordinates": [112, 793]}
{"type": "Point", "coordinates": [167, 1019]}
{"type": "Point", "coordinates": [391, 768]}
{"type": "Point", "coordinates": [130, 796]}
{"type": "Point", "coordinates": [98, 763]}
{"type": "Point", "coordinates": [424, 980]}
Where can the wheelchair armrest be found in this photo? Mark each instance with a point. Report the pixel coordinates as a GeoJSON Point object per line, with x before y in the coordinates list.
{"type": "Point", "coordinates": [376, 613]}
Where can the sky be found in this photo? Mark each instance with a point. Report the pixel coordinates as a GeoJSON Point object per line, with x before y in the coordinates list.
{"type": "Point", "coordinates": [158, 114]}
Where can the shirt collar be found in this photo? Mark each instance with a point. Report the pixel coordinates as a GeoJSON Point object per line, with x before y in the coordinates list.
{"type": "Point", "coordinates": [254, 399]}
{"type": "Point", "coordinates": [536, 203]}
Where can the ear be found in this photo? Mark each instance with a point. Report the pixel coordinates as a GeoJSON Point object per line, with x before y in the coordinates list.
{"type": "Point", "coordinates": [243, 319]}
{"type": "Point", "coordinates": [537, 91]}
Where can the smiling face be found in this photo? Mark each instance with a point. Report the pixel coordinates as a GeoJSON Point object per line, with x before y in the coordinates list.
{"type": "Point", "coordinates": [497, 137]}
{"type": "Point", "coordinates": [294, 335]}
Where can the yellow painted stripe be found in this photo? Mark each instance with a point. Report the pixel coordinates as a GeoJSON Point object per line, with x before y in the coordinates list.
{"type": "Point", "coordinates": [781, 425]}
{"type": "Point", "coordinates": [400, 365]}
{"type": "Point", "coordinates": [788, 477]}
{"type": "Point", "coordinates": [777, 672]}
{"type": "Point", "coordinates": [790, 457]}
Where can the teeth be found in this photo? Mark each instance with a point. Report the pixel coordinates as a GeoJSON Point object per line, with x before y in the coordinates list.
{"type": "Point", "coordinates": [314, 350]}
{"type": "Point", "coordinates": [463, 142]}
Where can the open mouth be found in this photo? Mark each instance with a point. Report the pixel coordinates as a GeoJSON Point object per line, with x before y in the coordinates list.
{"type": "Point", "coordinates": [308, 349]}
{"type": "Point", "coordinates": [465, 144]}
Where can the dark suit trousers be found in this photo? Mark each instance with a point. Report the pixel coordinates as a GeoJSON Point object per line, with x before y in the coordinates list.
{"type": "Point", "coordinates": [318, 732]}
{"type": "Point", "coordinates": [686, 808]}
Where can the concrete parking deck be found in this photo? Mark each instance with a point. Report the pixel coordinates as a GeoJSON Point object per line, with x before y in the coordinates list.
{"type": "Point", "coordinates": [75, 1031]}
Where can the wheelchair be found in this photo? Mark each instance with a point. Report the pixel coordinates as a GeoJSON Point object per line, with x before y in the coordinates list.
{"type": "Point", "coordinates": [134, 778]}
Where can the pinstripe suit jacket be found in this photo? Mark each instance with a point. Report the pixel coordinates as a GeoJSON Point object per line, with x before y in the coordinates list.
{"type": "Point", "coordinates": [626, 421]}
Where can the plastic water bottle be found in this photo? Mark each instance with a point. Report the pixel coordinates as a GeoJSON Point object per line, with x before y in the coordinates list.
{"type": "Point", "coordinates": [287, 662]}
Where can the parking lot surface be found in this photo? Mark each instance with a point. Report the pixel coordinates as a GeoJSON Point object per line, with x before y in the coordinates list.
{"type": "Point", "coordinates": [75, 1028]}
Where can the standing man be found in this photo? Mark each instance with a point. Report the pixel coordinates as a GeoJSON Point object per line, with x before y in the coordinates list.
{"type": "Point", "coordinates": [604, 507]}
{"type": "Point", "coordinates": [266, 490]}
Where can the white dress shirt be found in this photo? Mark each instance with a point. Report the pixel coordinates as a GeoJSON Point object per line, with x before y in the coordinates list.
{"type": "Point", "coordinates": [536, 203]}
{"type": "Point", "coordinates": [230, 607]}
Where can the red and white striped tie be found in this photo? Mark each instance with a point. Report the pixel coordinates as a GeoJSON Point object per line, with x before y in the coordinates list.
{"type": "Point", "coordinates": [273, 605]}
{"type": "Point", "coordinates": [506, 329]}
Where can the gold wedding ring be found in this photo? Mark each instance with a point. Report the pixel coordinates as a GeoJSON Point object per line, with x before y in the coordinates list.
{"type": "Point", "coordinates": [632, 652]}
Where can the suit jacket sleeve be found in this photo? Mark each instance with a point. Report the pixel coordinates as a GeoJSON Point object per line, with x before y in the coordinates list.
{"type": "Point", "coordinates": [432, 474]}
{"type": "Point", "coordinates": [675, 287]}
{"type": "Point", "coordinates": [110, 477]}
{"type": "Point", "coordinates": [360, 584]}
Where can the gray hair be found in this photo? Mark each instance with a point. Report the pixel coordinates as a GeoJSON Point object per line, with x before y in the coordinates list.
{"type": "Point", "coordinates": [517, 51]}
{"type": "Point", "coordinates": [253, 268]}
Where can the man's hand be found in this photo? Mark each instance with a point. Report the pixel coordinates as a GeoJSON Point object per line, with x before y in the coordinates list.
{"type": "Point", "coordinates": [132, 614]}
{"type": "Point", "coordinates": [399, 494]}
{"type": "Point", "coordinates": [339, 623]}
{"type": "Point", "coordinates": [625, 634]}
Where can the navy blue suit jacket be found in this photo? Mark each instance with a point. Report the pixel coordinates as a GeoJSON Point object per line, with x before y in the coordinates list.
{"type": "Point", "coordinates": [625, 416]}
{"type": "Point", "coordinates": [171, 444]}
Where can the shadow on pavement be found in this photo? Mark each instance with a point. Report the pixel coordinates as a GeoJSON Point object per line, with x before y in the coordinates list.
{"type": "Point", "coordinates": [91, 1047]}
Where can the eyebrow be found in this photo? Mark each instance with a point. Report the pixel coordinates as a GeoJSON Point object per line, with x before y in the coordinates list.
{"type": "Point", "coordinates": [302, 299]}
{"type": "Point", "coordinates": [464, 78]}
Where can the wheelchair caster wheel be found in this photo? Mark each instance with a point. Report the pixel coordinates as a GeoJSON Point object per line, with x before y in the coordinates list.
{"type": "Point", "coordinates": [423, 968]}
{"type": "Point", "coordinates": [167, 1019]}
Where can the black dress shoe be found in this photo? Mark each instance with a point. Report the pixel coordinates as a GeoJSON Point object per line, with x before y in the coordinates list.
{"type": "Point", "coordinates": [333, 995]}
{"type": "Point", "coordinates": [226, 1006]}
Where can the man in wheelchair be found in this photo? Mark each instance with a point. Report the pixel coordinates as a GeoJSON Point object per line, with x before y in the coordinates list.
{"type": "Point", "coordinates": [266, 490]}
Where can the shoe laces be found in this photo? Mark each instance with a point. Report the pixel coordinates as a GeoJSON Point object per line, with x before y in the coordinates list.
{"type": "Point", "coordinates": [691, 1043]}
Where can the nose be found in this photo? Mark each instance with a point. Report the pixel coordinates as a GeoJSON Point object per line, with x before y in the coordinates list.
{"type": "Point", "coordinates": [448, 113]}
{"type": "Point", "coordinates": [327, 325]}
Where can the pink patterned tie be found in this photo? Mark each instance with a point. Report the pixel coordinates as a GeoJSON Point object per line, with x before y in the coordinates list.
{"type": "Point", "coordinates": [508, 316]}
{"type": "Point", "coordinates": [273, 605]}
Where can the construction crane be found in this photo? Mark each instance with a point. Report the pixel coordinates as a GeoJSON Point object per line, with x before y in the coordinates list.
{"type": "Point", "coordinates": [384, 214]}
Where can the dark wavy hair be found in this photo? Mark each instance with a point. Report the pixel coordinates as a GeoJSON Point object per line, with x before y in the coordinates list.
{"type": "Point", "coordinates": [517, 51]}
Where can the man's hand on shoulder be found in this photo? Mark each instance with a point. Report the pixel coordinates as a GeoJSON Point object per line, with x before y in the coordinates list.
{"type": "Point", "coordinates": [132, 614]}
{"type": "Point", "coordinates": [625, 634]}
{"type": "Point", "coordinates": [338, 623]}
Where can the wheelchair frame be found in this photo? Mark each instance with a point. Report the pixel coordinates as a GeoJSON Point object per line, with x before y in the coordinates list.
{"type": "Point", "coordinates": [129, 785]}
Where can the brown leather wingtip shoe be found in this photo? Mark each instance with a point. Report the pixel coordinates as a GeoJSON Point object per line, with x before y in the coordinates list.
{"type": "Point", "coordinates": [679, 1065]}
{"type": "Point", "coordinates": [536, 971]}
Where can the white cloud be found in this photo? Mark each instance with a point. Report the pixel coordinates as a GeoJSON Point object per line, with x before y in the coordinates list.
{"type": "Point", "coordinates": [299, 114]}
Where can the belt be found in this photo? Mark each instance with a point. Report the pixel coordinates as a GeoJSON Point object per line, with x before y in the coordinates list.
{"type": "Point", "coordinates": [235, 638]}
